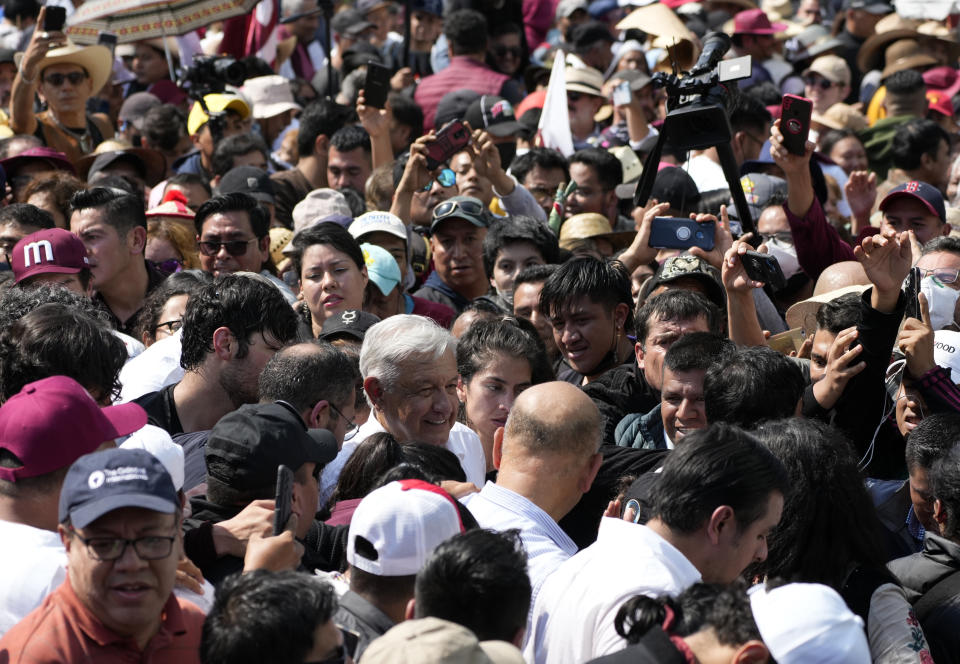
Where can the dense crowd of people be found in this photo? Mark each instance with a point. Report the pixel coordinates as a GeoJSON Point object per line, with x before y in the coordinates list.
{"type": "Point", "coordinates": [295, 370]}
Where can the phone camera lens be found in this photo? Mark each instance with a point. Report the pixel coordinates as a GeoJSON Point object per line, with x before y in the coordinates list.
{"type": "Point", "coordinates": [683, 233]}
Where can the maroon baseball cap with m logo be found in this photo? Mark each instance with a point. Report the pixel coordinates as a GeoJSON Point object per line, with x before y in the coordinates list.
{"type": "Point", "coordinates": [53, 250]}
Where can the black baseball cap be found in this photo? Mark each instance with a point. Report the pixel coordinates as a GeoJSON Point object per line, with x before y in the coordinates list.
{"type": "Point", "coordinates": [453, 106]}
{"type": "Point", "coordinates": [350, 22]}
{"type": "Point", "coordinates": [245, 447]}
{"type": "Point", "coordinates": [493, 114]}
{"type": "Point", "coordinates": [584, 35]}
{"type": "Point", "coordinates": [350, 323]}
{"type": "Point", "coordinates": [927, 194]}
{"type": "Point", "coordinates": [675, 186]}
{"type": "Point", "coordinates": [248, 180]}
{"type": "Point", "coordinates": [102, 482]}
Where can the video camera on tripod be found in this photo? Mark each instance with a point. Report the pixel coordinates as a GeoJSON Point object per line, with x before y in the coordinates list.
{"type": "Point", "coordinates": [697, 118]}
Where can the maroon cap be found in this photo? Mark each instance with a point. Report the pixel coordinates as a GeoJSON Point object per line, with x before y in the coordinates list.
{"type": "Point", "coordinates": [52, 422]}
{"type": "Point", "coordinates": [56, 159]}
{"type": "Point", "coordinates": [755, 22]}
{"type": "Point", "coordinates": [945, 80]}
{"type": "Point", "coordinates": [50, 251]}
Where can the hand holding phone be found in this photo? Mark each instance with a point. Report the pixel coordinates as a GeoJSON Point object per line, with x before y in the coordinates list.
{"type": "Point", "coordinates": [376, 86]}
{"type": "Point", "coordinates": [284, 499]}
{"type": "Point", "coordinates": [622, 95]}
{"type": "Point", "coordinates": [679, 233]}
{"type": "Point", "coordinates": [795, 123]}
{"type": "Point", "coordinates": [452, 137]}
{"type": "Point", "coordinates": [763, 267]}
{"type": "Point", "coordinates": [54, 19]}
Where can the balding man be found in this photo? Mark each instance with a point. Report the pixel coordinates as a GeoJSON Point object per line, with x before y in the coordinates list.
{"type": "Point", "coordinates": [547, 457]}
{"type": "Point", "coordinates": [840, 275]}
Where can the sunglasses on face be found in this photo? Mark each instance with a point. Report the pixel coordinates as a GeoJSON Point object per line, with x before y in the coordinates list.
{"type": "Point", "coordinates": [447, 208]}
{"type": "Point", "coordinates": [75, 78]}
{"type": "Point", "coordinates": [816, 81]}
{"type": "Point", "coordinates": [574, 97]}
{"type": "Point", "coordinates": [502, 51]}
{"type": "Point", "coordinates": [446, 178]}
{"type": "Point", "coordinates": [233, 247]}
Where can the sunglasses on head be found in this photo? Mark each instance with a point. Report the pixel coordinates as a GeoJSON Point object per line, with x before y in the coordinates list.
{"type": "Point", "coordinates": [816, 81]}
{"type": "Point", "coordinates": [502, 51]}
{"type": "Point", "coordinates": [445, 209]}
{"type": "Point", "coordinates": [75, 78]}
{"type": "Point", "coordinates": [233, 247]}
{"type": "Point", "coordinates": [446, 178]}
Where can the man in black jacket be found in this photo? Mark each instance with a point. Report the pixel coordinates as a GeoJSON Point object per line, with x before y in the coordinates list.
{"type": "Point", "coordinates": [634, 387]}
{"type": "Point", "coordinates": [931, 578]}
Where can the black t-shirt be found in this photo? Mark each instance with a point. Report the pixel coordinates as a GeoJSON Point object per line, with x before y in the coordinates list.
{"type": "Point", "coordinates": [161, 410]}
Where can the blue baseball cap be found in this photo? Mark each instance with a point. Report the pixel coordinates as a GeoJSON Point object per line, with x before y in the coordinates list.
{"type": "Point", "coordinates": [927, 194]}
{"type": "Point", "coordinates": [102, 482]}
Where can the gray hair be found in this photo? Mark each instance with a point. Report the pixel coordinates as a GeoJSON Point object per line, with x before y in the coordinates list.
{"type": "Point", "coordinates": [395, 341]}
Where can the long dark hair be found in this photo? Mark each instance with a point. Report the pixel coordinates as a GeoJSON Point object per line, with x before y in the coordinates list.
{"type": "Point", "coordinates": [829, 523]}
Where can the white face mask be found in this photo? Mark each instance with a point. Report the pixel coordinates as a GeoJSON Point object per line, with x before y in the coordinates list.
{"type": "Point", "coordinates": [941, 300]}
{"type": "Point", "coordinates": [786, 255]}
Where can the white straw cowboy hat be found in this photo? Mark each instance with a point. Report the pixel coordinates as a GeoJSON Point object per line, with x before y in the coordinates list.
{"type": "Point", "coordinates": [96, 60]}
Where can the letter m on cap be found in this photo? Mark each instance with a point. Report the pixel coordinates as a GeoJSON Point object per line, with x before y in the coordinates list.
{"type": "Point", "coordinates": [34, 249]}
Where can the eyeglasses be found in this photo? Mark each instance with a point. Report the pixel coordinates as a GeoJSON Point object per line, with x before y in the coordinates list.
{"type": "Point", "coordinates": [502, 51]}
{"type": "Point", "coordinates": [233, 247]}
{"type": "Point", "coordinates": [75, 78]}
{"type": "Point", "coordinates": [816, 81]}
{"type": "Point", "coordinates": [352, 426]}
{"type": "Point", "coordinates": [107, 549]}
{"type": "Point", "coordinates": [779, 236]}
{"type": "Point", "coordinates": [944, 274]}
{"type": "Point", "coordinates": [171, 325]}
{"type": "Point", "coordinates": [445, 209]}
{"type": "Point", "coordinates": [446, 178]}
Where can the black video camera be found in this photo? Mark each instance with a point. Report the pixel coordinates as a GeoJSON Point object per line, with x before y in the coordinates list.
{"type": "Point", "coordinates": [697, 118]}
{"type": "Point", "coordinates": [209, 74]}
{"type": "Point", "coordinates": [697, 102]}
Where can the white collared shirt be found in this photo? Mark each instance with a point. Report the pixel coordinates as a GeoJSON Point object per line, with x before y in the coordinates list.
{"type": "Point", "coordinates": [33, 563]}
{"type": "Point", "coordinates": [573, 618]}
{"type": "Point", "coordinates": [462, 441]}
{"type": "Point", "coordinates": [545, 542]}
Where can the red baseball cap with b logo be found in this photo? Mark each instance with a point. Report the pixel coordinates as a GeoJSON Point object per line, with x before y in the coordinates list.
{"type": "Point", "coordinates": [50, 251]}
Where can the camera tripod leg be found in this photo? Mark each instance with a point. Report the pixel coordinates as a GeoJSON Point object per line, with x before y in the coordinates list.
{"type": "Point", "coordinates": [732, 173]}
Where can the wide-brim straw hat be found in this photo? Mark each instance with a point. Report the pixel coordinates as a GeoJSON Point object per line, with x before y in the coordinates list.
{"type": "Point", "coordinates": [96, 61]}
{"type": "Point", "coordinates": [889, 29]}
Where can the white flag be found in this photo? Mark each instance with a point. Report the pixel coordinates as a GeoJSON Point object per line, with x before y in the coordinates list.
{"type": "Point", "coordinates": [554, 128]}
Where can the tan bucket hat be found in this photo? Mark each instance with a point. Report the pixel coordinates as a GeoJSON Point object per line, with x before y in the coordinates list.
{"type": "Point", "coordinates": [906, 54]}
{"type": "Point", "coordinates": [589, 226]}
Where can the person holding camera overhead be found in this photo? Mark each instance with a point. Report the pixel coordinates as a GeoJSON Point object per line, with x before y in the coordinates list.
{"type": "Point", "coordinates": [65, 75]}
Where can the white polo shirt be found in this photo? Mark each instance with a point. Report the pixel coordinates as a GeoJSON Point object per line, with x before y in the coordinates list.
{"type": "Point", "coordinates": [574, 613]}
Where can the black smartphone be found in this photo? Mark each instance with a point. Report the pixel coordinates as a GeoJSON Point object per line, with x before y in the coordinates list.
{"type": "Point", "coordinates": [911, 291]}
{"type": "Point", "coordinates": [763, 267]}
{"type": "Point", "coordinates": [795, 123]}
{"type": "Point", "coordinates": [54, 19]}
{"type": "Point", "coordinates": [452, 137]}
{"type": "Point", "coordinates": [376, 86]}
{"type": "Point", "coordinates": [109, 40]}
{"type": "Point", "coordinates": [679, 233]}
{"type": "Point", "coordinates": [283, 505]}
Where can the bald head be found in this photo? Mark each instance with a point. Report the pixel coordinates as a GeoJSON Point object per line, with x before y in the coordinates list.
{"type": "Point", "coordinates": [841, 275]}
{"type": "Point", "coordinates": [552, 418]}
